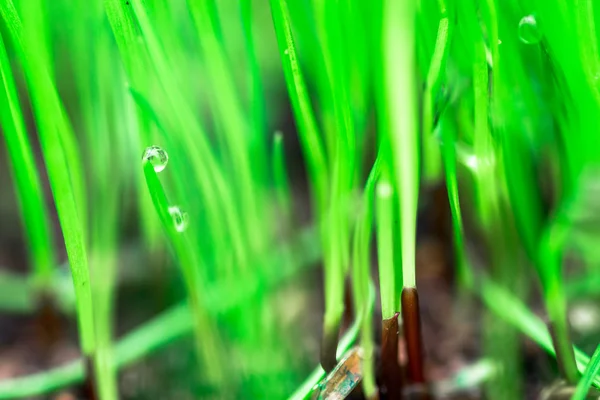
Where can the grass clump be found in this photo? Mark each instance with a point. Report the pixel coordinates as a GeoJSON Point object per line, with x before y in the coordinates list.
{"type": "Point", "coordinates": [494, 104]}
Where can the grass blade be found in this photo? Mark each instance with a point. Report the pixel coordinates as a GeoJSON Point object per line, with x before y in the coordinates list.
{"type": "Point", "coordinates": [34, 213]}
{"type": "Point", "coordinates": [208, 346]}
{"type": "Point", "coordinates": [54, 129]}
{"type": "Point", "coordinates": [589, 374]}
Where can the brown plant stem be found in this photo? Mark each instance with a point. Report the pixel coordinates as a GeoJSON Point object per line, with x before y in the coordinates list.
{"type": "Point", "coordinates": [411, 322]}
{"type": "Point", "coordinates": [562, 356]}
{"type": "Point", "coordinates": [391, 374]}
{"type": "Point", "coordinates": [329, 345]}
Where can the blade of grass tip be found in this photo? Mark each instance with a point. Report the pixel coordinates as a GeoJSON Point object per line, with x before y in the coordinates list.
{"type": "Point", "coordinates": [52, 126]}
{"type": "Point", "coordinates": [591, 371]}
{"type": "Point", "coordinates": [208, 344]}
{"type": "Point", "coordinates": [465, 275]}
{"type": "Point", "coordinates": [309, 136]}
{"type": "Point", "coordinates": [305, 390]}
{"type": "Point", "coordinates": [34, 212]}
{"type": "Point", "coordinates": [431, 161]}
{"type": "Point", "coordinates": [280, 179]}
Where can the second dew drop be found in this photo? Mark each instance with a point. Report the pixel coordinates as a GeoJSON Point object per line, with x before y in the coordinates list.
{"type": "Point", "coordinates": [157, 157]}
{"type": "Point", "coordinates": [529, 31]}
{"type": "Point", "coordinates": [180, 218]}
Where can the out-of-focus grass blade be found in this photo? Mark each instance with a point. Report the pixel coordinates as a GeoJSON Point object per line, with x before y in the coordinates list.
{"type": "Point", "coordinates": [207, 342]}
{"type": "Point", "coordinates": [63, 168]}
{"type": "Point", "coordinates": [280, 178]}
{"type": "Point", "coordinates": [361, 279]}
{"type": "Point", "coordinates": [34, 213]}
{"type": "Point", "coordinates": [401, 101]}
{"type": "Point", "coordinates": [590, 373]}
{"type": "Point", "coordinates": [516, 313]}
{"type": "Point", "coordinates": [166, 327]}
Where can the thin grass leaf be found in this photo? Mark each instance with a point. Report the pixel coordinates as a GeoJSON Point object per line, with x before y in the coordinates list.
{"type": "Point", "coordinates": [207, 343]}
{"type": "Point", "coordinates": [54, 129]}
{"type": "Point", "coordinates": [361, 280]}
{"type": "Point", "coordinates": [385, 246]}
{"type": "Point", "coordinates": [280, 178]}
{"type": "Point", "coordinates": [399, 70]}
{"type": "Point", "coordinates": [228, 110]}
{"type": "Point", "coordinates": [517, 314]}
{"type": "Point", "coordinates": [307, 126]}
{"type": "Point", "coordinates": [34, 213]}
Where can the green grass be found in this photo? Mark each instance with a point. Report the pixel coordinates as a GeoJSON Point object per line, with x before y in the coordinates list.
{"type": "Point", "coordinates": [498, 101]}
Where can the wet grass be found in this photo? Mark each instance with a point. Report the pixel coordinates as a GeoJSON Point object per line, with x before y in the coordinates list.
{"type": "Point", "coordinates": [498, 101]}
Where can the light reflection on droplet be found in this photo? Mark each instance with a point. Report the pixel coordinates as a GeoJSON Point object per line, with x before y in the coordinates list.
{"type": "Point", "coordinates": [529, 31]}
{"type": "Point", "coordinates": [157, 157]}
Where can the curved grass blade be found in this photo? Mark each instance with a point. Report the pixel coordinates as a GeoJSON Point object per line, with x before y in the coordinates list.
{"type": "Point", "coordinates": [207, 342]}
{"type": "Point", "coordinates": [590, 373]}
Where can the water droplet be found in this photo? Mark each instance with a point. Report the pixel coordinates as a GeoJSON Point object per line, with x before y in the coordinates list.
{"type": "Point", "coordinates": [157, 156]}
{"type": "Point", "coordinates": [286, 52]}
{"type": "Point", "coordinates": [529, 32]}
{"type": "Point", "coordinates": [180, 218]}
